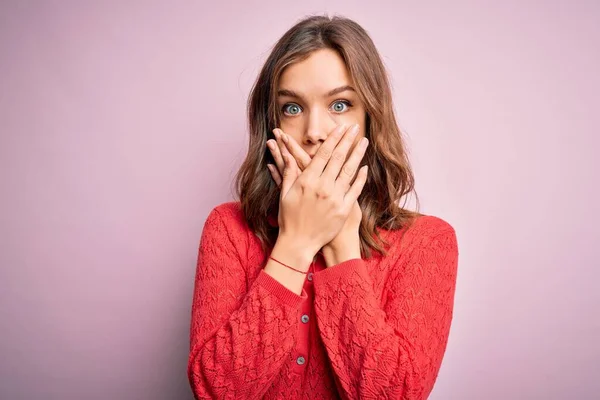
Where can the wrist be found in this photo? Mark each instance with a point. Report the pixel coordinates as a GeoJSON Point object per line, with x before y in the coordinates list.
{"type": "Point", "coordinates": [293, 253]}
{"type": "Point", "coordinates": [334, 255]}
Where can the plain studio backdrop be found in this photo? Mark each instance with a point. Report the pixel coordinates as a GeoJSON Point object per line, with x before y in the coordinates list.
{"type": "Point", "coordinates": [122, 124]}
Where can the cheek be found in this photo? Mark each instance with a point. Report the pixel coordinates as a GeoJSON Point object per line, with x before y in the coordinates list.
{"type": "Point", "coordinates": [355, 116]}
{"type": "Point", "coordinates": [347, 118]}
{"type": "Point", "coordinates": [290, 127]}
{"type": "Point", "coordinates": [294, 131]}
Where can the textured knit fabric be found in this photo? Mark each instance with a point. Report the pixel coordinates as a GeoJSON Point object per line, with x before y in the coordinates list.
{"type": "Point", "coordinates": [362, 329]}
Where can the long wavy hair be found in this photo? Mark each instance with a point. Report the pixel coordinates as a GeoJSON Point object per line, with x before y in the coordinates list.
{"type": "Point", "coordinates": [390, 177]}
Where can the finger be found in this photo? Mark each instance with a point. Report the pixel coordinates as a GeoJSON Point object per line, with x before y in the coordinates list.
{"type": "Point", "coordinates": [357, 187]}
{"type": "Point", "coordinates": [302, 158]}
{"type": "Point", "coordinates": [344, 179]}
{"type": "Point", "coordinates": [339, 155]}
{"type": "Point", "coordinates": [284, 150]}
{"type": "Point", "coordinates": [275, 174]}
{"type": "Point", "coordinates": [274, 149]}
{"type": "Point", "coordinates": [320, 160]}
{"type": "Point", "coordinates": [290, 173]}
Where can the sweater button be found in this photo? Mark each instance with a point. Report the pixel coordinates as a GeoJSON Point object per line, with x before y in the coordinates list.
{"type": "Point", "coordinates": [305, 318]}
{"type": "Point", "coordinates": [300, 360]}
{"type": "Point", "coordinates": [309, 277]}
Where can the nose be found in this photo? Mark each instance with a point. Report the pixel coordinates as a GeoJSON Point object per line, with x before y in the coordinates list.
{"type": "Point", "coordinates": [320, 125]}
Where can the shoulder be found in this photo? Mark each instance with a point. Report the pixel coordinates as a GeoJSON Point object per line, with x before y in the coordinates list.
{"type": "Point", "coordinates": [425, 231]}
{"type": "Point", "coordinates": [427, 226]}
{"type": "Point", "coordinates": [427, 248]}
{"type": "Point", "coordinates": [229, 211]}
{"type": "Point", "coordinates": [229, 216]}
{"type": "Point", "coordinates": [225, 231]}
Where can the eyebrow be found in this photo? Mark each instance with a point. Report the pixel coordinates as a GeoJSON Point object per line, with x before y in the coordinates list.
{"type": "Point", "coordinates": [291, 93]}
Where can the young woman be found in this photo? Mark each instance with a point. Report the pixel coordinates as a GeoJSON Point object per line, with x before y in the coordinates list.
{"type": "Point", "coordinates": [317, 284]}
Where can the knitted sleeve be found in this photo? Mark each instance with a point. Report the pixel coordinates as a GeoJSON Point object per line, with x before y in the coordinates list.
{"type": "Point", "coordinates": [239, 337]}
{"type": "Point", "coordinates": [392, 351]}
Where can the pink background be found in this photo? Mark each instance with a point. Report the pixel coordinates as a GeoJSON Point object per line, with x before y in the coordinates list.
{"type": "Point", "coordinates": [122, 124]}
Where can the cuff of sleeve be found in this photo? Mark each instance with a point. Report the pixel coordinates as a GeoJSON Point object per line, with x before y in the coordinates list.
{"type": "Point", "coordinates": [284, 294]}
{"type": "Point", "coordinates": [341, 271]}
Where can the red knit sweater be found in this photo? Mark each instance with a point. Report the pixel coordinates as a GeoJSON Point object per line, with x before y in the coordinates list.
{"type": "Point", "coordinates": [362, 329]}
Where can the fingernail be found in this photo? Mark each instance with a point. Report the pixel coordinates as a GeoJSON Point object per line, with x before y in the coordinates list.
{"type": "Point", "coordinates": [354, 130]}
{"type": "Point", "coordinates": [271, 145]}
{"type": "Point", "coordinates": [363, 142]}
{"type": "Point", "coordinates": [285, 138]}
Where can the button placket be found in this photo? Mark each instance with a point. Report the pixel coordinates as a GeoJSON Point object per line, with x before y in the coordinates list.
{"type": "Point", "coordinates": [304, 328]}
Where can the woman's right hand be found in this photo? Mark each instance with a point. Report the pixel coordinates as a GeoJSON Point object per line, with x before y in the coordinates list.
{"type": "Point", "coordinates": [315, 203]}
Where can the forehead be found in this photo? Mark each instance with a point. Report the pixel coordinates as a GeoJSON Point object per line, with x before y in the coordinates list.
{"type": "Point", "coordinates": [322, 71]}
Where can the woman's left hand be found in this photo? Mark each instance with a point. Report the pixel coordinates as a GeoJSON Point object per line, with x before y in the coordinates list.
{"type": "Point", "coordinates": [346, 245]}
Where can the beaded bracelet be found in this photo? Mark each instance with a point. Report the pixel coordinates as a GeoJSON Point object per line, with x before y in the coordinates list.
{"type": "Point", "coordinates": [297, 270]}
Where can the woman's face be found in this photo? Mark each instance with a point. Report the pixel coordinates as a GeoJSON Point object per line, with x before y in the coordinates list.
{"type": "Point", "coordinates": [314, 96]}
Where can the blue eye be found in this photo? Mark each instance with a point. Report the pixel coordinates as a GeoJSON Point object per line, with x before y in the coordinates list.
{"type": "Point", "coordinates": [338, 108]}
{"type": "Point", "coordinates": [291, 106]}
{"type": "Point", "coordinates": [293, 109]}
